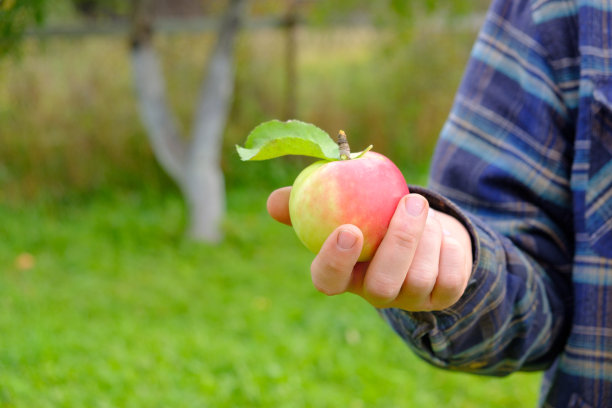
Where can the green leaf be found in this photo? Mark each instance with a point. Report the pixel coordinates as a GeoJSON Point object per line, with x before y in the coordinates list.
{"type": "Point", "coordinates": [361, 153]}
{"type": "Point", "coordinates": [275, 138]}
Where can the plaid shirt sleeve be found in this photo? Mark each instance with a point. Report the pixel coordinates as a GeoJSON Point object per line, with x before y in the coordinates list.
{"type": "Point", "coordinates": [502, 166]}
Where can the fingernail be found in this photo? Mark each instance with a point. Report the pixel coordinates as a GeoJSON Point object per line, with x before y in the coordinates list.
{"type": "Point", "coordinates": [446, 232]}
{"type": "Point", "coordinates": [346, 240]}
{"type": "Point", "coordinates": [415, 205]}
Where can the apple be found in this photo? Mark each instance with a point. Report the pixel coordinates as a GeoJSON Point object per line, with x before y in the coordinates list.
{"type": "Point", "coordinates": [363, 191]}
{"type": "Point", "coordinates": [362, 188]}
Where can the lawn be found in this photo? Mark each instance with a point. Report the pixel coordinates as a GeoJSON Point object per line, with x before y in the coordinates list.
{"type": "Point", "coordinates": [103, 303]}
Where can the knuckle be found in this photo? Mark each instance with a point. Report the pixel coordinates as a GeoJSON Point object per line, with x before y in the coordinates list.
{"type": "Point", "coordinates": [453, 254]}
{"type": "Point", "coordinates": [421, 278]}
{"type": "Point", "coordinates": [453, 247]}
{"type": "Point", "coordinates": [335, 267]}
{"type": "Point", "coordinates": [326, 266]}
{"type": "Point", "coordinates": [326, 290]}
{"type": "Point", "coordinates": [326, 274]}
{"type": "Point", "coordinates": [433, 226]}
{"type": "Point", "coordinates": [381, 291]}
{"type": "Point", "coordinates": [404, 238]}
{"type": "Point", "coordinates": [452, 282]}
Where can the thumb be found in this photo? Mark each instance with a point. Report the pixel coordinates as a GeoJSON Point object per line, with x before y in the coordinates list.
{"type": "Point", "coordinates": [332, 268]}
{"type": "Point", "coordinates": [278, 205]}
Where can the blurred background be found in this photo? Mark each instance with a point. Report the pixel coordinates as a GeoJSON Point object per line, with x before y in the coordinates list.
{"type": "Point", "coordinates": [138, 266]}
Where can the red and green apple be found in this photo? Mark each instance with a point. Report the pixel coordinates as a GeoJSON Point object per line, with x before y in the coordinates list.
{"type": "Point", "coordinates": [362, 188]}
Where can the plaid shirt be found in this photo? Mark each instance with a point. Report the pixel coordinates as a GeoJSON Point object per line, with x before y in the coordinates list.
{"type": "Point", "coordinates": [525, 161]}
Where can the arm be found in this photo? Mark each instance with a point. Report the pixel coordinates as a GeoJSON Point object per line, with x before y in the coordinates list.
{"type": "Point", "coordinates": [504, 158]}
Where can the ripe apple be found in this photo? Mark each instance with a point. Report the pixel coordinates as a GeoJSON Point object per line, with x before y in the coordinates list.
{"type": "Point", "coordinates": [362, 188]}
{"type": "Point", "coordinates": [363, 191]}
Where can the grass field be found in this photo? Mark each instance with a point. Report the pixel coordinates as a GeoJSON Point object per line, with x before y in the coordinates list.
{"type": "Point", "coordinates": [104, 304]}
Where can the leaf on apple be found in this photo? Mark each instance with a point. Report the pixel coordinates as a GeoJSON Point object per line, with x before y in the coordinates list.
{"type": "Point", "coordinates": [361, 153]}
{"type": "Point", "coordinates": [275, 138]}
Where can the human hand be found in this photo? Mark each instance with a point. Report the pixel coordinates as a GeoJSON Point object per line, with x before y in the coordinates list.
{"type": "Point", "coordinates": [423, 263]}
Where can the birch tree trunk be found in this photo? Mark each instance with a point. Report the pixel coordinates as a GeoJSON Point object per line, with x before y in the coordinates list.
{"type": "Point", "coordinates": [195, 164]}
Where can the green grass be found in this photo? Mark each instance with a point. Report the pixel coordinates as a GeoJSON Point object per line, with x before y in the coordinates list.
{"type": "Point", "coordinates": [119, 310]}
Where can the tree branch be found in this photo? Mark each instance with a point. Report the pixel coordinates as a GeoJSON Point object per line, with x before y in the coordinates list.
{"type": "Point", "coordinates": [215, 98]}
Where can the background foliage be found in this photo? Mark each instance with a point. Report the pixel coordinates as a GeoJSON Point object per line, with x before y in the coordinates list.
{"type": "Point", "coordinates": [70, 124]}
{"type": "Point", "coordinates": [15, 16]}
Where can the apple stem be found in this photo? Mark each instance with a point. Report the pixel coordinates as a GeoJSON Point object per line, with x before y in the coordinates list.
{"type": "Point", "coordinates": [345, 150]}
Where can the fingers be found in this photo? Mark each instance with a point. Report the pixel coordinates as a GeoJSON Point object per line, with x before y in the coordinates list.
{"type": "Point", "coordinates": [278, 205]}
{"type": "Point", "coordinates": [394, 257]}
{"type": "Point", "coordinates": [332, 268]}
{"type": "Point", "coordinates": [419, 266]}
{"type": "Point", "coordinates": [422, 276]}
{"type": "Point", "coordinates": [453, 275]}
{"type": "Point", "coordinates": [422, 264]}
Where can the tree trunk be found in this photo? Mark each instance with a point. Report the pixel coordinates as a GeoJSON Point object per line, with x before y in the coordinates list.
{"type": "Point", "coordinates": [158, 119]}
{"type": "Point", "coordinates": [205, 185]}
{"type": "Point", "coordinates": [159, 122]}
{"type": "Point", "coordinates": [196, 166]}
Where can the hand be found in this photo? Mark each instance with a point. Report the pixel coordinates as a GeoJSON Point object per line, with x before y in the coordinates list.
{"type": "Point", "coordinates": [423, 263]}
